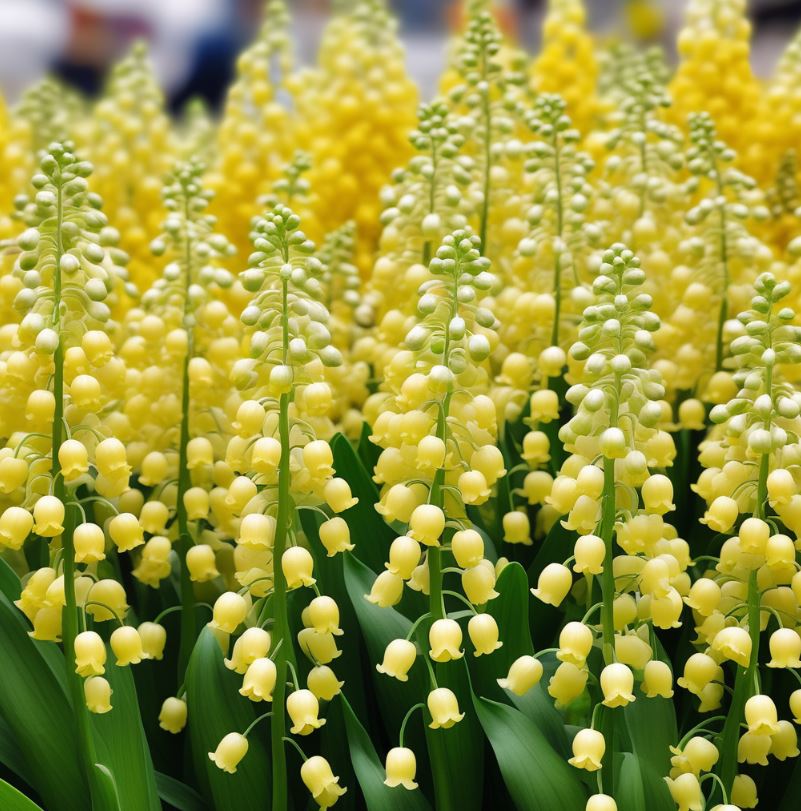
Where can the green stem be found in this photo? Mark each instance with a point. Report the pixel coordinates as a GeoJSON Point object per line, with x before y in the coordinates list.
{"type": "Point", "coordinates": [281, 627]}
{"type": "Point", "coordinates": [188, 619]}
{"type": "Point", "coordinates": [70, 614]}
{"type": "Point", "coordinates": [486, 109]}
{"type": "Point", "coordinates": [557, 270]}
{"type": "Point", "coordinates": [724, 265]}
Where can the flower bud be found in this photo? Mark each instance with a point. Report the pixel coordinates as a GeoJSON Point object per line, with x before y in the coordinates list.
{"type": "Point", "coordinates": [600, 802]}
{"type": "Point", "coordinates": [517, 528]}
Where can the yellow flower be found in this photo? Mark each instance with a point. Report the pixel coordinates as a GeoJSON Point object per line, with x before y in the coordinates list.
{"type": "Point", "coordinates": [303, 709]}
{"type": "Point", "coordinates": [259, 681]}
{"type": "Point", "coordinates": [154, 638]}
{"type": "Point", "coordinates": [322, 681]}
{"type": "Point", "coordinates": [444, 708]}
{"type": "Point", "coordinates": [97, 692]}
{"type": "Point", "coordinates": [48, 514]}
{"type": "Point", "coordinates": [657, 679]}
{"type": "Point", "coordinates": [297, 565]}
{"type": "Point", "coordinates": [338, 496]}
{"type": "Point", "coordinates": [426, 524]}
{"type": "Point", "coordinates": [399, 656]}
{"type": "Point", "coordinates": [387, 590]}
{"type": "Point", "coordinates": [201, 563]}
{"type": "Point", "coordinates": [553, 584]}
{"type": "Point", "coordinates": [483, 632]}
{"type": "Point", "coordinates": [589, 747]}
{"type": "Point", "coordinates": [335, 536]}
{"type": "Point", "coordinates": [127, 645]}
{"type": "Point", "coordinates": [524, 673]}
{"type": "Point", "coordinates": [445, 639]}
{"type": "Point", "coordinates": [575, 643]}
{"type": "Point", "coordinates": [229, 752]}
{"type": "Point", "coordinates": [686, 792]}
{"type": "Point", "coordinates": [617, 685]}
{"type": "Point", "coordinates": [253, 644]}
{"type": "Point", "coordinates": [320, 781]}
{"type": "Point", "coordinates": [785, 648]}
{"type": "Point", "coordinates": [401, 767]}
{"type": "Point", "coordinates": [172, 717]}
{"type": "Point", "coordinates": [90, 654]}
{"type": "Point", "coordinates": [230, 610]}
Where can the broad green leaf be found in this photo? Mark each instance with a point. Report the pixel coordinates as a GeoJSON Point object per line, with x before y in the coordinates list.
{"type": "Point", "coordinates": [178, 794]}
{"type": "Point", "coordinates": [456, 754]}
{"type": "Point", "coordinates": [370, 772]}
{"type": "Point", "coordinates": [379, 627]}
{"type": "Point", "coordinates": [508, 609]}
{"type": "Point", "coordinates": [13, 800]}
{"type": "Point", "coordinates": [369, 532]}
{"type": "Point", "coordinates": [105, 794]}
{"type": "Point", "coordinates": [215, 709]}
{"type": "Point", "coordinates": [38, 713]}
{"type": "Point", "coordinates": [121, 744]}
{"type": "Point", "coordinates": [536, 777]}
{"type": "Point", "coordinates": [629, 791]}
{"type": "Point", "coordinates": [651, 725]}
{"type": "Point", "coordinates": [9, 582]}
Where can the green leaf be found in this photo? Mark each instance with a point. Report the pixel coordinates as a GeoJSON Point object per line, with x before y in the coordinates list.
{"type": "Point", "coordinates": [379, 627]}
{"type": "Point", "coordinates": [369, 532]}
{"type": "Point", "coordinates": [537, 778]}
{"type": "Point", "coordinates": [370, 772]}
{"type": "Point", "coordinates": [38, 713]}
{"type": "Point", "coordinates": [456, 754]}
{"type": "Point", "coordinates": [105, 793]}
{"type": "Point", "coordinates": [121, 744]}
{"type": "Point", "coordinates": [178, 794]}
{"type": "Point", "coordinates": [629, 791]}
{"type": "Point", "coordinates": [9, 582]}
{"type": "Point", "coordinates": [215, 709]}
{"type": "Point", "coordinates": [13, 800]}
{"type": "Point", "coordinates": [508, 608]}
{"type": "Point", "coordinates": [651, 725]}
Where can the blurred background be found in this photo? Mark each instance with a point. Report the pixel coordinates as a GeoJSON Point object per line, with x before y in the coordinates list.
{"type": "Point", "coordinates": [194, 42]}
